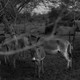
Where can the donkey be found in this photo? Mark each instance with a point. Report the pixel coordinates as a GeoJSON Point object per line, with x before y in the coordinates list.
{"type": "Point", "coordinates": [39, 57]}
{"type": "Point", "coordinates": [52, 45]}
{"type": "Point", "coordinates": [55, 44]}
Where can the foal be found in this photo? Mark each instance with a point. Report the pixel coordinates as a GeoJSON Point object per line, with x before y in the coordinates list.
{"type": "Point", "coordinates": [39, 56]}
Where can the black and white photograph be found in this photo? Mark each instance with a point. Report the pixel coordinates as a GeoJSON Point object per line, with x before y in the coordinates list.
{"type": "Point", "coordinates": [39, 39]}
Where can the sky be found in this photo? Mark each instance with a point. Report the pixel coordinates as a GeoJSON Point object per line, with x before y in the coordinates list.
{"type": "Point", "coordinates": [41, 8]}
{"type": "Point", "coordinates": [44, 8]}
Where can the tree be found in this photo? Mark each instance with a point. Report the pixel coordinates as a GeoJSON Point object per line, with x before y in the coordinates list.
{"type": "Point", "coordinates": [64, 11]}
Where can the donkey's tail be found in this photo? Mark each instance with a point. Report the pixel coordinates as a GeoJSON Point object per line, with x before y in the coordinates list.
{"type": "Point", "coordinates": [70, 48]}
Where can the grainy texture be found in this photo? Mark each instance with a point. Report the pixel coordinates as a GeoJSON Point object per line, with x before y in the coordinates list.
{"type": "Point", "coordinates": [54, 67]}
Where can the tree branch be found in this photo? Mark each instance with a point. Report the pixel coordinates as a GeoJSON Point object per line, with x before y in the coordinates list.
{"type": "Point", "coordinates": [13, 39]}
{"type": "Point", "coordinates": [57, 20]}
{"type": "Point", "coordinates": [5, 5]}
{"type": "Point", "coordinates": [20, 50]}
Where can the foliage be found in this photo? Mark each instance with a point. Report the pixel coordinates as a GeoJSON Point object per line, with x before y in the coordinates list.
{"type": "Point", "coordinates": [54, 17]}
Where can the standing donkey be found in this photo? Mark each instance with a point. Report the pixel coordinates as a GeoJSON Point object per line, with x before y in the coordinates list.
{"type": "Point", "coordinates": [38, 57]}
{"type": "Point", "coordinates": [53, 45]}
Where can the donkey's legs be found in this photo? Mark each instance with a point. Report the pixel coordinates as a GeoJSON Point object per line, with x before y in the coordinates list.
{"type": "Point", "coordinates": [69, 60]}
{"type": "Point", "coordinates": [0, 62]}
{"type": "Point", "coordinates": [42, 66]}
